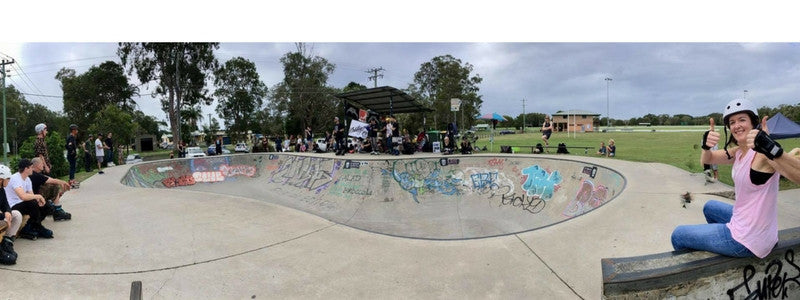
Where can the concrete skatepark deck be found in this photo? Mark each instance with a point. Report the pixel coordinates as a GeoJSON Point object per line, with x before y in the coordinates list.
{"type": "Point", "coordinates": [216, 240]}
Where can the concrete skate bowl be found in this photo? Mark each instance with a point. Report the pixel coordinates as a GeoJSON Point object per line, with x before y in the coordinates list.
{"type": "Point", "coordinates": [440, 198]}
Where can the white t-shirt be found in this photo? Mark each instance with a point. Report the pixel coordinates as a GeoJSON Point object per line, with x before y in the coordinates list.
{"type": "Point", "coordinates": [98, 148]}
{"type": "Point", "coordinates": [15, 182]}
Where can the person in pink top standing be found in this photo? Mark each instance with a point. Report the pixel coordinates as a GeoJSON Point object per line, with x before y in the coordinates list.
{"type": "Point", "coordinates": [750, 226]}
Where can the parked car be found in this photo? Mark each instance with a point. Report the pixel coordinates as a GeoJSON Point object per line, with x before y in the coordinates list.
{"type": "Point", "coordinates": [212, 150]}
{"type": "Point", "coordinates": [241, 147]}
{"type": "Point", "coordinates": [195, 152]}
{"type": "Point", "coordinates": [506, 131]}
{"type": "Point", "coordinates": [133, 159]}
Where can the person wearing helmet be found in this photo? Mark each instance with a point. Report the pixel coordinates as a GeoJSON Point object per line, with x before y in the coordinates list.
{"type": "Point", "coordinates": [40, 146]}
{"type": "Point", "coordinates": [749, 227]}
{"type": "Point", "coordinates": [19, 193]}
{"type": "Point", "coordinates": [13, 219]}
{"type": "Point", "coordinates": [72, 153]}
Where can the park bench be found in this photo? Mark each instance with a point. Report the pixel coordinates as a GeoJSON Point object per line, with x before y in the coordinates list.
{"type": "Point", "coordinates": [706, 275]}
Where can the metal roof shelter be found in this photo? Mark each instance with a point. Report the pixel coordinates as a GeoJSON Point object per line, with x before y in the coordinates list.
{"type": "Point", "coordinates": [384, 100]}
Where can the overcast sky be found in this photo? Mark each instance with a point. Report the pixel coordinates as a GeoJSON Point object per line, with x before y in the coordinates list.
{"type": "Point", "coordinates": [551, 73]}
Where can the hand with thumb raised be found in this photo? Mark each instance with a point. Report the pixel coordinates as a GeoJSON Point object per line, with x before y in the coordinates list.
{"type": "Point", "coordinates": [751, 136]}
{"type": "Point", "coordinates": [710, 137]}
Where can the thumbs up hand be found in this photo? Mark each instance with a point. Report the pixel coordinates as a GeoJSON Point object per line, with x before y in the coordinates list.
{"type": "Point", "coordinates": [710, 137]}
{"type": "Point", "coordinates": [760, 141]}
{"type": "Point", "coordinates": [751, 136]}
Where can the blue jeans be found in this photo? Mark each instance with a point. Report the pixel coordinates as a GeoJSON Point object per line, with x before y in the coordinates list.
{"type": "Point", "coordinates": [714, 236]}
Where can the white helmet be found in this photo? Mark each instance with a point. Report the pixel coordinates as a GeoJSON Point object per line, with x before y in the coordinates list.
{"type": "Point", "coordinates": [5, 172]}
{"type": "Point", "coordinates": [737, 106]}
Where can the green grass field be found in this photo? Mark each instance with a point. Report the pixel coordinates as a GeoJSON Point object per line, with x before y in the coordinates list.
{"type": "Point", "coordinates": [677, 148]}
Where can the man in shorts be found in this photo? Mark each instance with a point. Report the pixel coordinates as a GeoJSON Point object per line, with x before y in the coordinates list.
{"type": "Point", "coordinates": [99, 152]}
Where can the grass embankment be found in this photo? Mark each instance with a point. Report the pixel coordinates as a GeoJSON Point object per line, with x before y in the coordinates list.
{"type": "Point", "coordinates": [680, 149]}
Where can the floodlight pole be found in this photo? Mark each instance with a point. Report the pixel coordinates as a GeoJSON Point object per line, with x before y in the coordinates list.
{"type": "Point", "coordinates": [608, 116]}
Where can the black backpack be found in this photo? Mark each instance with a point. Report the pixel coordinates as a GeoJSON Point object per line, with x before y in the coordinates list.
{"type": "Point", "coordinates": [562, 149]}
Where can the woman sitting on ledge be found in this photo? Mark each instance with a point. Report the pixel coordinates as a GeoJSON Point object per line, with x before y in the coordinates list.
{"type": "Point", "coordinates": [750, 226]}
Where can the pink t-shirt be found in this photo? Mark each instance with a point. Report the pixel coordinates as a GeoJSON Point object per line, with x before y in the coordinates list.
{"type": "Point", "coordinates": [754, 223]}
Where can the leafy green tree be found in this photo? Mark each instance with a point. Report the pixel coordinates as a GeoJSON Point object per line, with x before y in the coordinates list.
{"type": "Point", "coordinates": [88, 93]}
{"type": "Point", "coordinates": [147, 124]}
{"type": "Point", "coordinates": [55, 148]}
{"type": "Point", "coordinates": [210, 131]}
{"type": "Point", "coordinates": [240, 93]}
{"type": "Point", "coordinates": [180, 69]}
{"type": "Point", "coordinates": [303, 99]}
{"type": "Point", "coordinates": [446, 77]}
{"type": "Point", "coordinates": [117, 121]}
{"type": "Point", "coordinates": [353, 86]}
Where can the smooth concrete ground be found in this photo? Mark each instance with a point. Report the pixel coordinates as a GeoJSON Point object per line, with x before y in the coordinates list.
{"type": "Point", "coordinates": [193, 245]}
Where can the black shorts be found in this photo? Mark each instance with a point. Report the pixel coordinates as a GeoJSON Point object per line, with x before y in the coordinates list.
{"type": "Point", "coordinates": [547, 134]}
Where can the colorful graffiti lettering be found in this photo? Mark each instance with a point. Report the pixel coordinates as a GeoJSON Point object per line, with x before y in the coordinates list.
{"type": "Point", "coordinates": [215, 176]}
{"type": "Point", "coordinates": [540, 182]}
{"type": "Point", "coordinates": [237, 170]}
{"type": "Point", "coordinates": [589, 197]}
{"type": "Point", "coordinates": [496, 162]}
{"type": "Point", "coordinates": [419, 177]}
{"type": "Point", "coordinates": [306, 172]}
{"type": "Point", "coordinates": [179, 181]}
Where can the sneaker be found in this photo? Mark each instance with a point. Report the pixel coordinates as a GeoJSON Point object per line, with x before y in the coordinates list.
{"type": "Point", "coordinates": [26, 232]}
{"type": "Point", "coordinates": [60, 215]}
{"type": "Point", "coordinates": [101, 172]}
{"type": "Point", "coordinates": [8, 246]}
{"type": "Point", "coordinates": [111, 164]}
{"type": "Point", "coordinates": [6, 258]}
{"type": "Point", "coordinates": [44, 232]}
{"type": "Point", "coordinates": [49, 207]}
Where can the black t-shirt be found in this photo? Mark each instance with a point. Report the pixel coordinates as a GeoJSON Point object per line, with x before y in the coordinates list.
{"type": "Point", "coordinates": [72, 146]}
{"type": "Point", "coordinates": [4, 204]}
{"type": "Point", "coordinates": [110, 143]}
{"type": "Point", "coordinates": [38, 180]}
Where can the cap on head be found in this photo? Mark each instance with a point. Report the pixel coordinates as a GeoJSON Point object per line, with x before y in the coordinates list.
{"type": "Point", "coordinates": [40, 127]}
{"type": "Point", "coordinates": [73, 127]}
{"type": "Point", "coordinates": [5, 172]}
{"type": "Point", "coordinates": [23, 163]}
{"type": "Point", "coordinates": [740, 105]}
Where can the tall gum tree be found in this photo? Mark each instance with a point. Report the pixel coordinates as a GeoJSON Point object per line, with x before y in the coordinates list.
{"type": "Point", "coordinates": [179, 69]}
{"type": "Point", "coordinates": [240, 94]}
{"type": "Point", "coordinates": [443, 78]}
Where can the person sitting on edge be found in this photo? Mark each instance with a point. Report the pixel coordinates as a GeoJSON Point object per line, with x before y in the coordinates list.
{"type": "Point", "coordinates": [466, 146]}
{"type": "Point", "coordinates": [19, 193]}
{"type": "Point", "coordinates": [602, 150]}
{"type": "Point", "coordinates": [611, 150]}
{"type": "Point", "coordinates": [448, 147]}
{"type": "Point", "coordinates": [749, 227]}
{"type": "Point", "coordinates": [40, 182]}
{"type": "Point", "coordinates": [13, 219]}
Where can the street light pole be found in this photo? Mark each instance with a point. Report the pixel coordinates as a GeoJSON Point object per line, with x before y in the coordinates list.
{"type": "Point", "coordinates": [608, 117]}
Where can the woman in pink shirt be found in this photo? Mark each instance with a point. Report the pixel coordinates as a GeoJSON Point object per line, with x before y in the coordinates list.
{"type": "Point", "coordinates": [750, 226]}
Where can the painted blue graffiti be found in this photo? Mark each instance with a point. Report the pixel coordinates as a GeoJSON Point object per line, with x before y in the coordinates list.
{"type": "Point", "coordinates": [420, 177]}
{"type": "Point", "coordinates": [540, 182]}
{"type": "Point", "coordinates": [482, 181]}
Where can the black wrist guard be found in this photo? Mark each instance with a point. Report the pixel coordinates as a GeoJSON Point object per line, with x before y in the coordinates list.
{"type": "Point", "coordinates": [764, 144]}
{"type": "Point", "coordinates": [705, 136]}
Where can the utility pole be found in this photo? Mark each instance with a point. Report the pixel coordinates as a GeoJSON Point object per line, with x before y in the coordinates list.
{"type": "Point", "coordinates": [608, 117]}
{"type": "Point", "coordinates": [375, 74]}
{"type": "Point", "coordinates": [523, 115]}
{"type": "Point", "coordinates": [3, 64]}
